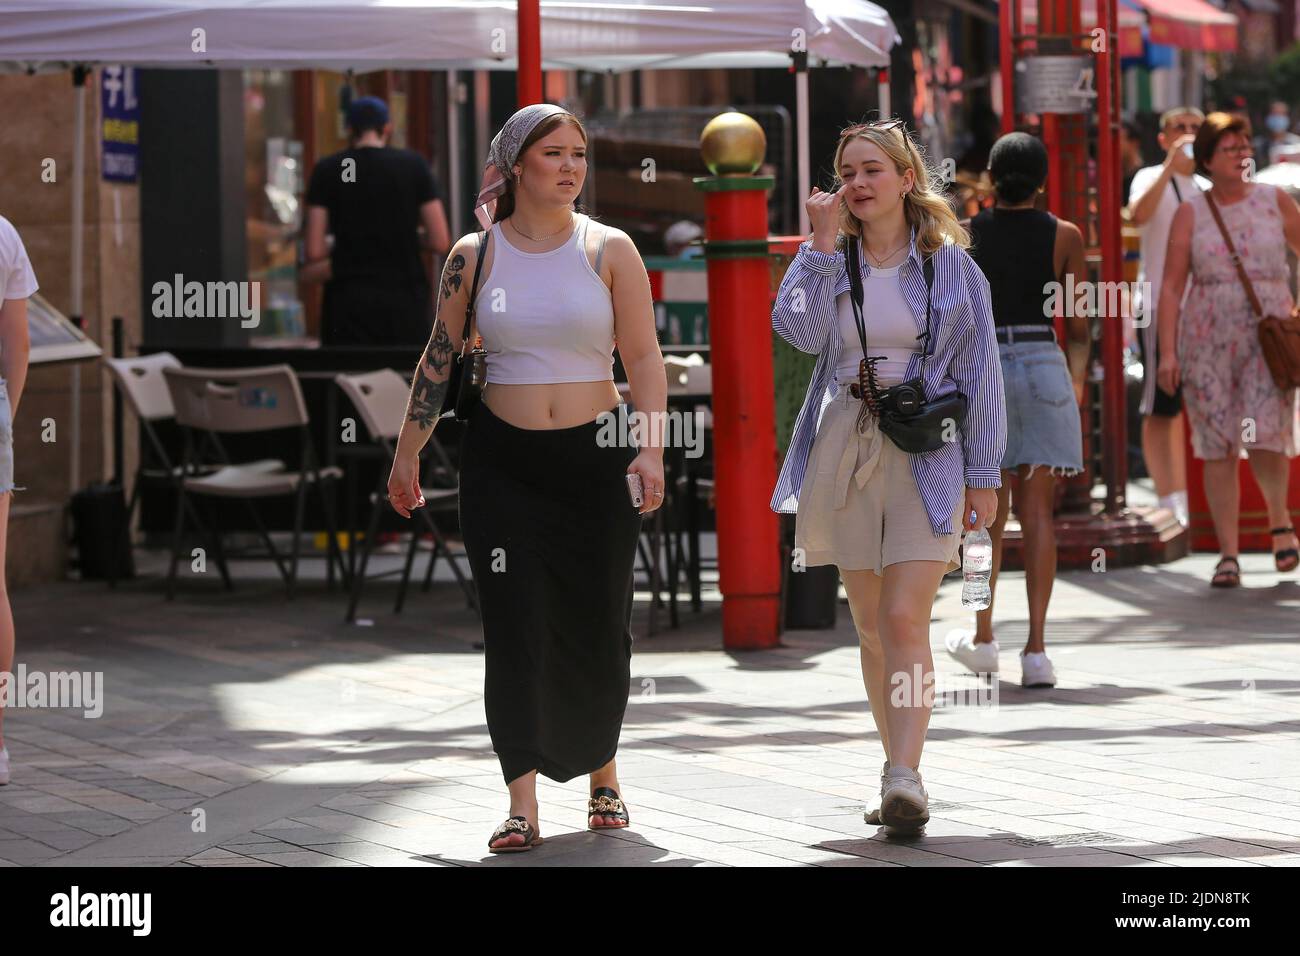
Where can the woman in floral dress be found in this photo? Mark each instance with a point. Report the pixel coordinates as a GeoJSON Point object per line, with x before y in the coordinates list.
{"type": "Point", "coordinates": [1232, 402]}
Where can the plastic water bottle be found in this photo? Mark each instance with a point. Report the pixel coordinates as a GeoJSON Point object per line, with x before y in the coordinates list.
{"type": "Point", "coordinates": [977, 565]}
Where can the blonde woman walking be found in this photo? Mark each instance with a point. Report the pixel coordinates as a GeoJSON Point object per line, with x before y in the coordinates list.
{"type": "Point", "coordinates": [889, 519]}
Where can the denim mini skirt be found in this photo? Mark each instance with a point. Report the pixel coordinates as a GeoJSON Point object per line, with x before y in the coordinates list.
{"type": "Point", "coordinates": [1042, 416]}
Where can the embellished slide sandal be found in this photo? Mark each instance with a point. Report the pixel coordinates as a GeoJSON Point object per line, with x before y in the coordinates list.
{"type": "Point", "coordinates": [515, 825]}
{"type": "Point", "coordinates": [605, 802]}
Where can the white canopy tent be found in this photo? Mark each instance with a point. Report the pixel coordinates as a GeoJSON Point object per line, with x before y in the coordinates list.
{"type": "Point", "coordinates": [437, 34]}
{"type": "Point", "coordinates": [363, 35]}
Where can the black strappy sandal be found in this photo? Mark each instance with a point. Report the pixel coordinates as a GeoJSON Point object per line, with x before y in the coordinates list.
{"type": "Point", "coordinates": [1289, 555]}
{"type": "Point", "coordinates": [515, 825]}
{"type": "Point", "coordinates": [1224, 578]}
{"type": "Point", "coordinates": [605, 802]}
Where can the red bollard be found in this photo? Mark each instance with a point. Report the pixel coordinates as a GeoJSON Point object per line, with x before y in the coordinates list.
{"type": "Point", "coordinates": [744, 408]}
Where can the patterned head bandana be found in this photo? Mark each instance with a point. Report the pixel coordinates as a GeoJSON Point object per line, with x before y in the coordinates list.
{"type": "Point", "coordinates": [503, 154]}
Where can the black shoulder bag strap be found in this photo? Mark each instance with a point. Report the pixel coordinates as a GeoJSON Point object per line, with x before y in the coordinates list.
{"type": "Point", "coordinates": [927, 269]}
{"type": "Point", "coordinates": [473, 291]}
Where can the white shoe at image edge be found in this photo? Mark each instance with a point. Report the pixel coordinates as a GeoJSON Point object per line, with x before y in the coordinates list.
{"type": "Point", "coordinates": [977, 658]}
{"type": "Point", "coordinates": [4, 766]}
{"type": "Point", "coordinates": [1036, 671]}
{"type": "Point", "coordinates": [903, 801]}
{"type": "Point", "coordinates": [872, 817]}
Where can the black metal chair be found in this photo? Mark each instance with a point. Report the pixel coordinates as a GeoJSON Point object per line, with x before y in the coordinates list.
{"type": "Point", "coordinates": [380, 398]}
{"type": "Point", "coordinates": [141, 383]}
{"type": "Point", "coordinates": [212, 402]}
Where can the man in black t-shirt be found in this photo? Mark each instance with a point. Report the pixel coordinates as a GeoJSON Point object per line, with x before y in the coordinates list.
{"type": "Point", "coordinates": [373, 199]}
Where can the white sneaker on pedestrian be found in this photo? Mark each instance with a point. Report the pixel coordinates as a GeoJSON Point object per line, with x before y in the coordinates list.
{"type": "Point", "coordinates": [904, 804]}
{"type": "Point", "coordinates": [978, 658]}
{"type": "Point", "coordinates": [1177, 505]}
{"type": "Point", "coordinates": [1036, 670]}
{"type": "Point", "coordinates": [1180, 511]}
{"type": "Point", "coordinates": [872, 817]}
{"type": "Point", "coordinates": [4, 766]}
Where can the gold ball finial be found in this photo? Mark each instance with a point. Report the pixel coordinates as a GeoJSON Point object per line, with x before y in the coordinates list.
{"type": "Point", "coordinates": [733, 144]}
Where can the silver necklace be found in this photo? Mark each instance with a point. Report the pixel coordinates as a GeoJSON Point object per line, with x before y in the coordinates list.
{"type": "Point", "coordinates": [568, 224]}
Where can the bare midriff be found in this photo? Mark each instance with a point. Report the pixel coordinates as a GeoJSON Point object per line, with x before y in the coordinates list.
{"type": "Point", "coordinates": [550, 405]}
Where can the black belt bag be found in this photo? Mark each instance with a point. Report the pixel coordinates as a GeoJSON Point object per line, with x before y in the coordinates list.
{"type": "Point", "coordinates": [905, 417]}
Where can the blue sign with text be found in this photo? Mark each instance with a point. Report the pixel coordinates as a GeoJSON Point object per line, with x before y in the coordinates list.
{"type": "Point", "coordinates": [119, 124]}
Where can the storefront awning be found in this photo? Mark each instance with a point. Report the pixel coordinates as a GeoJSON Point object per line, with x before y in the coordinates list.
{"type": "Point", "coordinates": [1191, 25]}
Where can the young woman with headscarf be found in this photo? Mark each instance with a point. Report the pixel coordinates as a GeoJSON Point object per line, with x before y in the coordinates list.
{"type": "Point", "coordinates": [544, 505]}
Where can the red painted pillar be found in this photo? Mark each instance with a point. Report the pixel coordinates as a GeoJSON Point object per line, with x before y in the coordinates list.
{"type": "Point", "coordinates": [529, 78]}
{"type": "Point", "coordinates": [744, 408]}
{"type": "Point", "coordinates": [1114, 403]}
{"type": "Point", "coordinates": [1007, 21]}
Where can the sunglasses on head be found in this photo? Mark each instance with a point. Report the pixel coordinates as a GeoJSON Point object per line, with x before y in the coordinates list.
{"type": "Point", "coordinates": [875, 124]}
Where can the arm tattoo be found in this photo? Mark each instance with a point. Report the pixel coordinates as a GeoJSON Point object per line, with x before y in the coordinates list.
{"type": "Point", "coordinates": [440, 350]}
{"type": "Point", "coordinates": [427, 393]}
{"type": "Point", "coordinates": [426, 400]}
{"type": "Point", "coordinates": [451, 277]}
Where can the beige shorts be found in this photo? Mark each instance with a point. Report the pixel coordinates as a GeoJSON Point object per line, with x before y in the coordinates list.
{"type": "Point", "coordinates": [859, 507]}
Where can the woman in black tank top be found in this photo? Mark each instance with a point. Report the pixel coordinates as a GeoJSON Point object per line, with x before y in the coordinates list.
{"type": "Point", "coordinates": [1015, 249]}
{"type": "Point", "coordinates": [1028, 255]}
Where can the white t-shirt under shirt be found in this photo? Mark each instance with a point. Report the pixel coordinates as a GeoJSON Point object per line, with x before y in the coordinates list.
{"type": "Point", "coordinates": [1155, 231]}
{"type": "Point", "coordinates": [890, 329]}
{"type": "Point", "coordinates": [17, 281]}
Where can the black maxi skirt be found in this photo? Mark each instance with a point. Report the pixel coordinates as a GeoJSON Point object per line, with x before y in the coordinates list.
{"type": "Point", "coordinates": [551, 537]}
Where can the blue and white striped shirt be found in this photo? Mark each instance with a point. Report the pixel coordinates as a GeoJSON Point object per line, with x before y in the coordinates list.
{"type": "Point", "coordinates": [965, 358]}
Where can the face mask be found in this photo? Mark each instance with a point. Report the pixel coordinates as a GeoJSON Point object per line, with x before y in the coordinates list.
{"type": "Point", "coordinates": [1277, 122]}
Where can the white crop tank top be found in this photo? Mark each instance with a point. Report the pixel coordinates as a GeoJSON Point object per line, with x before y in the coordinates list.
{"type": "Point", "coordinates": [546, 317]}
{"type": "Point", "coordinates": [890, 327]}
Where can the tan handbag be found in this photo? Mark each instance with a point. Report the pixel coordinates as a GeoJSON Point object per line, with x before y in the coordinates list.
{"type": "Point", "coordinates": [1279, 337]}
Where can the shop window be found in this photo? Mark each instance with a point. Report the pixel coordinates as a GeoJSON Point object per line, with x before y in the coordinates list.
{"type": "Point", "coordinates": [273, 187]}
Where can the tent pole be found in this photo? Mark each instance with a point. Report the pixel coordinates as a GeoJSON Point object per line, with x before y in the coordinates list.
{"type": "Point", "coordinates": [453, 153]}
{"type": "Point", "coordinates": [78, 225]}
{"type": "Point", "coordinates": [801, 124]}
{"type": "Point", "coordinates": [482, 123]}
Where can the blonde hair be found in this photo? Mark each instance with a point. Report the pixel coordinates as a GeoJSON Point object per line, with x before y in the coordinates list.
{"type": "Point", "coordinates": [925, 207]}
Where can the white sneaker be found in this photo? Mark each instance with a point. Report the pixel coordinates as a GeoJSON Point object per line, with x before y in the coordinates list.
{"type": "Point", "coordinates": [4, 766]}
{"type": "Point", "coordinates": [872, 817]}
{"type": "Point", "coordinates": [1180, 508]}
{"type": "Point", "coordinates": [1036, 670]}
{"type": "Point", "coordinates": [904, 804]}
{"type": "Point", "coordinates": [1176, 504]}
{"type": "Point", "coordinates": [978, 658]}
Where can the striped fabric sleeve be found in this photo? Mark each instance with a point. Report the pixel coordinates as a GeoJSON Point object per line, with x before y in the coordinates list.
{"type": "Point", "coordinates": [977, 370]}
{"type": "Point", "coordinates": [805, 303]}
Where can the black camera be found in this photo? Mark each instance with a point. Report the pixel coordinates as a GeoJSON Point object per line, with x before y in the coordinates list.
{"type": "Point", "coordinates": [903, 400]}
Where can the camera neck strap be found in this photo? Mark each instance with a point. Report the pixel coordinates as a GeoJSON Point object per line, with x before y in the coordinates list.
{"type": "Point", "coordinates": [856, 294]}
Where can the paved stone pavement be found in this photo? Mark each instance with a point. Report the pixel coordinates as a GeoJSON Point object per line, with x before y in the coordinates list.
{"type": "Point", "coordinates": [247, 730]}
